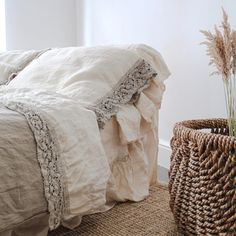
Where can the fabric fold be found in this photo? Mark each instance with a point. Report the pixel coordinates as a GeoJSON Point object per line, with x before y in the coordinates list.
{"type": "Point", "coordinates": [48, 154]}
{"type": "Point", "coordinates": [12, 62]}
{"type": "Point", "coordinates": [127, 90]}
{"type": "Point", "coordinates": [123, 88]}
{"type": "Point", "coordinates": [73, 163]}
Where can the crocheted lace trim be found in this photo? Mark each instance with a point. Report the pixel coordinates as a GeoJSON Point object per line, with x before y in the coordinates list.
{"type": "Point", "coordinates": [126, 91]}
{"type": "Point", "coordinates": [49, 161]}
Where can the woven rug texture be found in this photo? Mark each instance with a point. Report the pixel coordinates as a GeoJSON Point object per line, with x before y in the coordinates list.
{"type": "Point", "coordinates": [151, 216]}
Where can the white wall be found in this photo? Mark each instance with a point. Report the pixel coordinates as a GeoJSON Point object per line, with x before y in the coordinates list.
{"type": "Point", "coordinates": [2, 26]}
{"type": "Point", "coordinates": [80, 22]}
{"type": "Point", "coordinates": [35, 24]}
{"type": "Point", "coordinates": [172, 27]}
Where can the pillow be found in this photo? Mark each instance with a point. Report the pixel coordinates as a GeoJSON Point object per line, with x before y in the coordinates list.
{"type": "Point", "coordinates": [66, 70]}
{"type": "Point", "coordinates": [84, 73]}
{"type": "Point", "coordinates": [101, 78]}
{"type": "Point", "coordinates": [11, 62]}
{"type": "Point", "coordinates": [152, 56]}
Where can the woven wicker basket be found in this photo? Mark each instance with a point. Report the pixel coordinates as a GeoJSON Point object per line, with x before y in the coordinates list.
{"type": "Point", "coordinates": [203, 178]}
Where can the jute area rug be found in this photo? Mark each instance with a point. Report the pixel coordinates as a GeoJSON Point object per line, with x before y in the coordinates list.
{"type": "Point", "coordinates": [149, 217]}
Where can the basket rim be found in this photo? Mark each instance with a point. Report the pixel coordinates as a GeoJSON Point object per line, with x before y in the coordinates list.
{"type": "Point", "coordinates": [190, 130]}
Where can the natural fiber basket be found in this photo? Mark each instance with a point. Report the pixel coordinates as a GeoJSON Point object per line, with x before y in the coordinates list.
{"type": "Point", "coordinates": [203, 178]}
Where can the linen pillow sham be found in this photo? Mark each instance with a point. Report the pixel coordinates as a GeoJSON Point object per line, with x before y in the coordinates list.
{"type": "Point", "coordinates": [12, 62]}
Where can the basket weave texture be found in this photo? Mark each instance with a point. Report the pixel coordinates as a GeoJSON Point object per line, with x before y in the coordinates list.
{"type": "Point", "coordinates": [203, 178]}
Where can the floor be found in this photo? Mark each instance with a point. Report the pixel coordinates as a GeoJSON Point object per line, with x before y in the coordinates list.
{"type": "Point", "coordinates": [150, 217]}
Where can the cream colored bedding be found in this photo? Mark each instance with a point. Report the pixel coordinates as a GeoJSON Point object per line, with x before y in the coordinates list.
{"type": "Point", "coordinates": [69, 151]}
{"type": "Point", "coordinates": [128, 140]}
{"type": "Point", "coordinates": [11, 63]}
{"type": "Point", "coordinates": [21, 187]}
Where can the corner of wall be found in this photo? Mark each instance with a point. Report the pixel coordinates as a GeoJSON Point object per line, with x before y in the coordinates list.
{"type": "Point", "coordinates": [164, 153]}
{"type": "Point", "coordinates": [80, 22]}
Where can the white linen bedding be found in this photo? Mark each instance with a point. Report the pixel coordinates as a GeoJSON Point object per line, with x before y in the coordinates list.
{"type": "Point", "coordinates": [11, 63]}
{"type": "Point", "coordinates": [69, 150]}
{"type": "Point", "coordinates": [82, 82]}
{"type": "Point", "coordinates": [19, 172]}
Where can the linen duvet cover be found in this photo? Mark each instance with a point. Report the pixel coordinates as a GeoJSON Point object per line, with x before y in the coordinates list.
{"type": "Point", "coordinates": [78, 132]}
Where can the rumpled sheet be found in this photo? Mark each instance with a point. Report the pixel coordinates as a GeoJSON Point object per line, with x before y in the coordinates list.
{"type": "Point", "coordinates": [72, 160]}
{"type": "Point", "coordinates": [21, 188]}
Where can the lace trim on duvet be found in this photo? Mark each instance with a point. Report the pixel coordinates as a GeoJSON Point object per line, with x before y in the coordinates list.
{"type": "Point", "coordinates": [126, 91]}
{"type": "Point", "coordinates": [48, 158]}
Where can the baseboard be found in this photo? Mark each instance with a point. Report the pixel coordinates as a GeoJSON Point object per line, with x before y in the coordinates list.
{"type": "Point", "coordinates": [164, 154]}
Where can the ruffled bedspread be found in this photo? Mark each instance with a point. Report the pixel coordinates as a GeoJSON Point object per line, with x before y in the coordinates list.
{"type": "Point", "coordinates": [93, 116]}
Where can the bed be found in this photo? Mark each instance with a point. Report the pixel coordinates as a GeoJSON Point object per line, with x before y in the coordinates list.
{"type": "Point", "coordinates": [79, 132]}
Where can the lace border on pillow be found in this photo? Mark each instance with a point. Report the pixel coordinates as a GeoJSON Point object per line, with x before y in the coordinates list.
{"type": "Point", "coordinates": [126, 91]}
{"type": "Point", "coordinates": [49, 161]}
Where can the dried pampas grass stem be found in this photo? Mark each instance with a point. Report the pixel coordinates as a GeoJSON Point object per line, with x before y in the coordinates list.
{"type": "Point", "coordinates": [221, 48]}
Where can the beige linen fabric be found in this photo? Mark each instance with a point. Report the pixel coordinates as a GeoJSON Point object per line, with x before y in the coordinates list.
{"type": "Point", "coordinates": [83, 169]}
{"type": "Point", "coordinates": [21, 188]}
{"type": "Point", "coordinates": [86, 74]}
{"type": "Point", "coordinates": [12, 62]}
{"type": "Point", "coordinates": [130, 137]}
